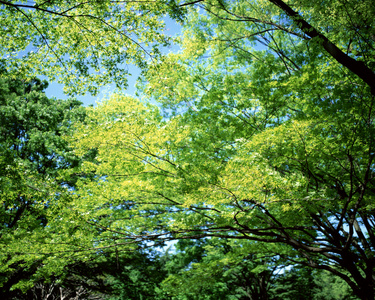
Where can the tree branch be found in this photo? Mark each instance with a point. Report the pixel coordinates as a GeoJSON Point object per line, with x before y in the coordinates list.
{"type": "Point", "coordinates": [357, 67]}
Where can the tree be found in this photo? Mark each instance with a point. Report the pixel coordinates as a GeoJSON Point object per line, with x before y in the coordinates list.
{"type": "Point", "coordinates": [284, 87]}
{"type": "Point", "coordinates": [269, 143]}
{"type": "Point", "coordinates": [297, 283]}
{"type": "Point", "coordinates": [34, 156]}
{"type": "Point", "coordinates": [220, 269]}
{"type": "Point", "coordinates": [82, 44]}
{"type": "Point", "coordinates": [134, 275]}
{"type": "Point", "coordinates": [138, 275]}
{"type": "Point", "coordinates": [331, 287]}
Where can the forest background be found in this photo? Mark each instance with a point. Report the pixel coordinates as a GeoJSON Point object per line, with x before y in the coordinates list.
{"type": "Point", "coordinates": [250, 149]}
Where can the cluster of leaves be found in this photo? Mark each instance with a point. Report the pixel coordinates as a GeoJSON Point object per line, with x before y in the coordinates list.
{"type": "Point", "coordinates": [81, 44]}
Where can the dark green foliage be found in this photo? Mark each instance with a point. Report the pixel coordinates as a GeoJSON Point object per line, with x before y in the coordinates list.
{"type": "Point", "coordinates": [137, 276]}
{"type": "Point", "coordinates": [215, 269]}
{"type": "Point", "coordinates": [32, 126]}
{"type": "Point", "coordinates": [33, 147]}
{"type": "Point", "coordinates": [33, 153]}
{"type": "Point", "coordinates": [304, 283]}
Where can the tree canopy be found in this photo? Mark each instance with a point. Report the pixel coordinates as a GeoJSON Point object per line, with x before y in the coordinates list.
{"type": "Point", "coordinates": [256, 139]}
{"type": "Point", "coordinates": [82, 44]}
